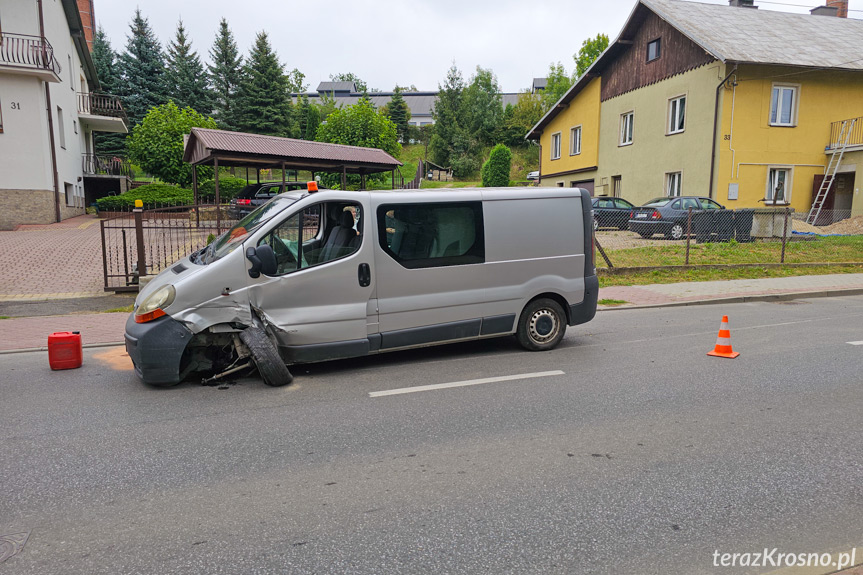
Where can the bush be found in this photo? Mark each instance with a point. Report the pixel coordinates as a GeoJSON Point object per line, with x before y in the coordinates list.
{"type": "Point", "coordinates": [153, 196]}
{"type": "Point", "coordinates": [465, 166]}
{"type": "Point", "coordinates": [229, 187]}
{"type": "Point", "coordinates": [495, 172]}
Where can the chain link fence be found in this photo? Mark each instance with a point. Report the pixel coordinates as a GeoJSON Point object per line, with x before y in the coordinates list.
{"type": "Point", "coordinates": [646, 238]}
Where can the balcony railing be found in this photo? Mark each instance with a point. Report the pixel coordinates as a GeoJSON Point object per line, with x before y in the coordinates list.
{"type": "Point", "coordinates": [100, 105]}
{"type": "Point", "coordinates": [98, 165]}
{"type": "Point", "coordinates": [28, 51]}
{"type": "Point", "coordinates": [838, 135]}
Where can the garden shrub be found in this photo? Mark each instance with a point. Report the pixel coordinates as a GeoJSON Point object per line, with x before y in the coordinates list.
{"type": "Point", "coordinates": [229, 187]}
{"type": "Point", "coordinates": [153, 196]}
{"type": "Point", "coordinates": [495, 172]}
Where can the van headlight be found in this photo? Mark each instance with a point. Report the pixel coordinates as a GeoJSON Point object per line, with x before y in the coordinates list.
{"type": "Point", "coordinates": [154, 304]}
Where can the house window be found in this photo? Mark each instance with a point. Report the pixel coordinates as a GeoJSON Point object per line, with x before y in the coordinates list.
{"type": "Point", "coordinates": [676, 115]}
{"type": "Point", "coordinates": [555, 146]}
{"type": "Point", "coordinates": [71, 74]}
{"type": "Point", "coordinates": [60, 128]}
{"type": "Point", "coordinates": [626, 122]}
{"type": "Point", "coordinates": [575, 141]}
{"type": "Point", "coordinates": [654, 50]}
{"type": "Point", "coordinates": [616, 186]}
{"type": "Point", "coordinates": [783, 106]}
{"type": "Point", "coordinates": [70, 194]}
{"type": "Point", "coordinates": [1, 117]}
{"type": "Point", "coordinates": [778, 186]}
{"type": "Point", "coordinates": [673, 184]}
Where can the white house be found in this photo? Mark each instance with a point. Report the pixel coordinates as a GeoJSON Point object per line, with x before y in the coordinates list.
{"type": "Point", "coordinates": [50, 106]}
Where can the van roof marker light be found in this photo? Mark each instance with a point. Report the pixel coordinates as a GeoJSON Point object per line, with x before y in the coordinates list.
{"type": "Point", "coordinates": [312, 187]}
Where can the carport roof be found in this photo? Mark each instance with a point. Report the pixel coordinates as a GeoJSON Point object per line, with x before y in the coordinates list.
{"type": "Point", "coordinates": [204, 145]}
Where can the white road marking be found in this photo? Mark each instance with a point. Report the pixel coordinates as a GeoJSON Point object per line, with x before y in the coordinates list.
{"type": "Point", "coordinates": [855, 342]}
{"type": "Point", "coordinates": [463, 383]}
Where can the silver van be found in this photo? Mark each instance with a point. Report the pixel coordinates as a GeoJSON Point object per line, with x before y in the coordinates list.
{"type": "Point", "coordinates": [315, 276]}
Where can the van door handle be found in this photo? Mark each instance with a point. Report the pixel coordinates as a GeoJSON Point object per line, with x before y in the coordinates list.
{"type": "Point", "coordinates": [364, 274]}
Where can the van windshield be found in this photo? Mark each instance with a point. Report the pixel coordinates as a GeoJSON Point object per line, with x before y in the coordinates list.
{"type": "Point", "coordinates": [228, 241]}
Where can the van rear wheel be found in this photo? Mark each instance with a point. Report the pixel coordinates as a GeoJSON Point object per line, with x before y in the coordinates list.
{"type": "Point", "coordinates": [541, 325]}
{"type": "Point", "coordinates": [273, 370]}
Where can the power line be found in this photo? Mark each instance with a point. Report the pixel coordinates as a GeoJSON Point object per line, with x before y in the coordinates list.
{"type": "Point", "coordinates": [797, 5]}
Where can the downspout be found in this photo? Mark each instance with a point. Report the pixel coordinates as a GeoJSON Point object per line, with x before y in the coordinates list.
{"type": "Point", "coordinates": [716, 130]}
{"type": "Point", "coordinates": [53, 145]}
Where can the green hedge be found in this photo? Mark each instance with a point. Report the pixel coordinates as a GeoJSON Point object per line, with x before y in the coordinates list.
{"type": "Point", "coordinates": [153, 196]}
{"type": "Point", "coordinates": [229, 187]}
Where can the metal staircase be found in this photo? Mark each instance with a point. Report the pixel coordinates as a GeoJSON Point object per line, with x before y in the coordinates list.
{"type": "Point", "coordinates": [832, 168]}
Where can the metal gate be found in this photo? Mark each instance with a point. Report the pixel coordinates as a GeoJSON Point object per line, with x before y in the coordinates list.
{"type": "Point", "coordinates": [141, 243]}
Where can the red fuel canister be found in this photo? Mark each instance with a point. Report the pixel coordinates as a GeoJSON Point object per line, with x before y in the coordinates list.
{"type": "Point", "coordinates": [65, 350]}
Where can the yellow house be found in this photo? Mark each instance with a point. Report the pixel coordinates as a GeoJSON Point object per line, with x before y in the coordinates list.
{"type": "Point", "coordinates": [749, 107]}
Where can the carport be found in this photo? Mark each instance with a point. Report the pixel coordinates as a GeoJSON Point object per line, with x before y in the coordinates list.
{"type": "Point", "coordinates": [218, 148]}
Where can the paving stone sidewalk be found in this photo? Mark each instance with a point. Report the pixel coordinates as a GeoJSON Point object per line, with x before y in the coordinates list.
{"type": "Point", "coordinates": [663, 294]}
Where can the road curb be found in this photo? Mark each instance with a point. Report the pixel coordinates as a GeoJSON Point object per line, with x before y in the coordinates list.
{"type": "Point", "coordinates": [743, 299]}
{"type": "Point", "coordinates": [37, 349]}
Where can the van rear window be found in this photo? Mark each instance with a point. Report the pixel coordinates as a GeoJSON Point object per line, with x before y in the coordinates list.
{"type": "Point", "coordinates": [432, 235]}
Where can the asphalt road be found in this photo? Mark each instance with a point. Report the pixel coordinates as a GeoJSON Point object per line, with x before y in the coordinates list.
{"type": "Point", "coordinates": [645, 456]}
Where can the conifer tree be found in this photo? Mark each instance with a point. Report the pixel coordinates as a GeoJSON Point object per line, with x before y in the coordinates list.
{"type": "Point", "coordinates": [398, 111]}
{"type": "Point", "coordinates": [225, 75]}
{"type": "Point", "coordinates": [263, 93]}
{"type": "Point", "coordinates": [105, 61]}
{"type": "Point", "coordinates": [185, 81]}
{"type": "Point", "coordinates": [141, 67]}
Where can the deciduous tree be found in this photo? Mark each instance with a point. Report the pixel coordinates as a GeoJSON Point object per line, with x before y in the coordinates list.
{"type": "Point", "coordinates": [157, 143]}
{"type": "Point", "coordinates": [590, 51]}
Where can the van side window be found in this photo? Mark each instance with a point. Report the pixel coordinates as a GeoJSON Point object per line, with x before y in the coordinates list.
{"type": "Point", "coordinates": [432, 235]}
{"type": "Point", "coordinates": [329, 231]}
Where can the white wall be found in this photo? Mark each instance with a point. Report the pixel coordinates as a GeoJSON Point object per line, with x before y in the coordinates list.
{"type": "Point", "coordinates": [25, 159]}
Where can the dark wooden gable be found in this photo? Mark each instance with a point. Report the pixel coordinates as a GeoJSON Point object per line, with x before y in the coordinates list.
{"type": "Point", "coordinates": [631, 70]}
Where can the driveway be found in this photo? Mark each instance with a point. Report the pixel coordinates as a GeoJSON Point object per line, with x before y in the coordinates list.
{"type": "Point", "coordinates": [54, 261]}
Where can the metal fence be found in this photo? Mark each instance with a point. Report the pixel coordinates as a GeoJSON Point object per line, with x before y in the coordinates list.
{"type": "Point", "coordinates": [730, 237]}
{"type": "Point", "coordinates": [143, 243]}
{"type": "Point", "coordinates": [28, 51]}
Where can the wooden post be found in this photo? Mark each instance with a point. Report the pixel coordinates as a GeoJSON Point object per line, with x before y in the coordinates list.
{"type": "Point", "coordinates": [602, 252]}
{"type": "Point", "coordinates": [344, 178]}
{"type": "Point", "coordinates": [218, 199]}
{"type": "Point", "coordinates": [362, 181]}
{"type": "Point", "coordinates": [258, 170]}
{"type": "Point", "coordinates": [784, 235]}
{"type": "Point", "coordinates": [139, 240]}
{"type": "Point", "coordinates": [393, 173]}
{"type": "Point", "coordinates": [195, 191]}
{"type": "Point", "coordinates": [284, 182]}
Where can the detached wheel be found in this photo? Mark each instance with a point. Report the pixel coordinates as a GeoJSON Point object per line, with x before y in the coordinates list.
{"type": "Point", "coordinates": [541, 325]}
{"type": "Point", "coordinates": [675, 233]}
{"type": "Point", "coordinates": [273, 370]}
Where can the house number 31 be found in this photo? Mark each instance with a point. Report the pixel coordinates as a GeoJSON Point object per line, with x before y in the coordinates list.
{"type": "Point", "coordinates": [16, 105]}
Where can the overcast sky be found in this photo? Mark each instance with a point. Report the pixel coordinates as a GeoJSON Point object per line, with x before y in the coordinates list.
{"type": "Point", "coordinates": [404, 42]}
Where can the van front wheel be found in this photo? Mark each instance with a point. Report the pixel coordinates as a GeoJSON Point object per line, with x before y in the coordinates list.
{"type": "Point", "coordinates": [273, 370]}
{"type": "Point", "coordinates": [541, 325]}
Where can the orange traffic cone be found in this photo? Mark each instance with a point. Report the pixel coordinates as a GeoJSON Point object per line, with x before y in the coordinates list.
{"type": "Point", "coordinates": [723, 342]}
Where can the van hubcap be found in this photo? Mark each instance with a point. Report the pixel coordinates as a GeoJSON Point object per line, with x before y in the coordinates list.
{"type": "Point", "coordinates": [543, 326]}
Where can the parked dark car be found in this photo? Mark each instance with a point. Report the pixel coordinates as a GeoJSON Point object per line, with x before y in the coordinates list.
{"type": "Point", "coordinates": [611, 212]}
{"type": "Point", "coordinates": [255, 195]}
{"type": "Point", "coordinates": [668, 215]}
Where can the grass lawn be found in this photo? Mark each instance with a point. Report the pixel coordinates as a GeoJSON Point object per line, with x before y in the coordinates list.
{"type": "Point", "coordinates": [702, 275]}
{"type": "Point", "coordinates": [826, 250]}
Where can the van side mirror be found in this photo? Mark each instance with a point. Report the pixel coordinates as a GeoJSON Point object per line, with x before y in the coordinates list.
{"type": "Point", "coordinates": [252, 256]}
